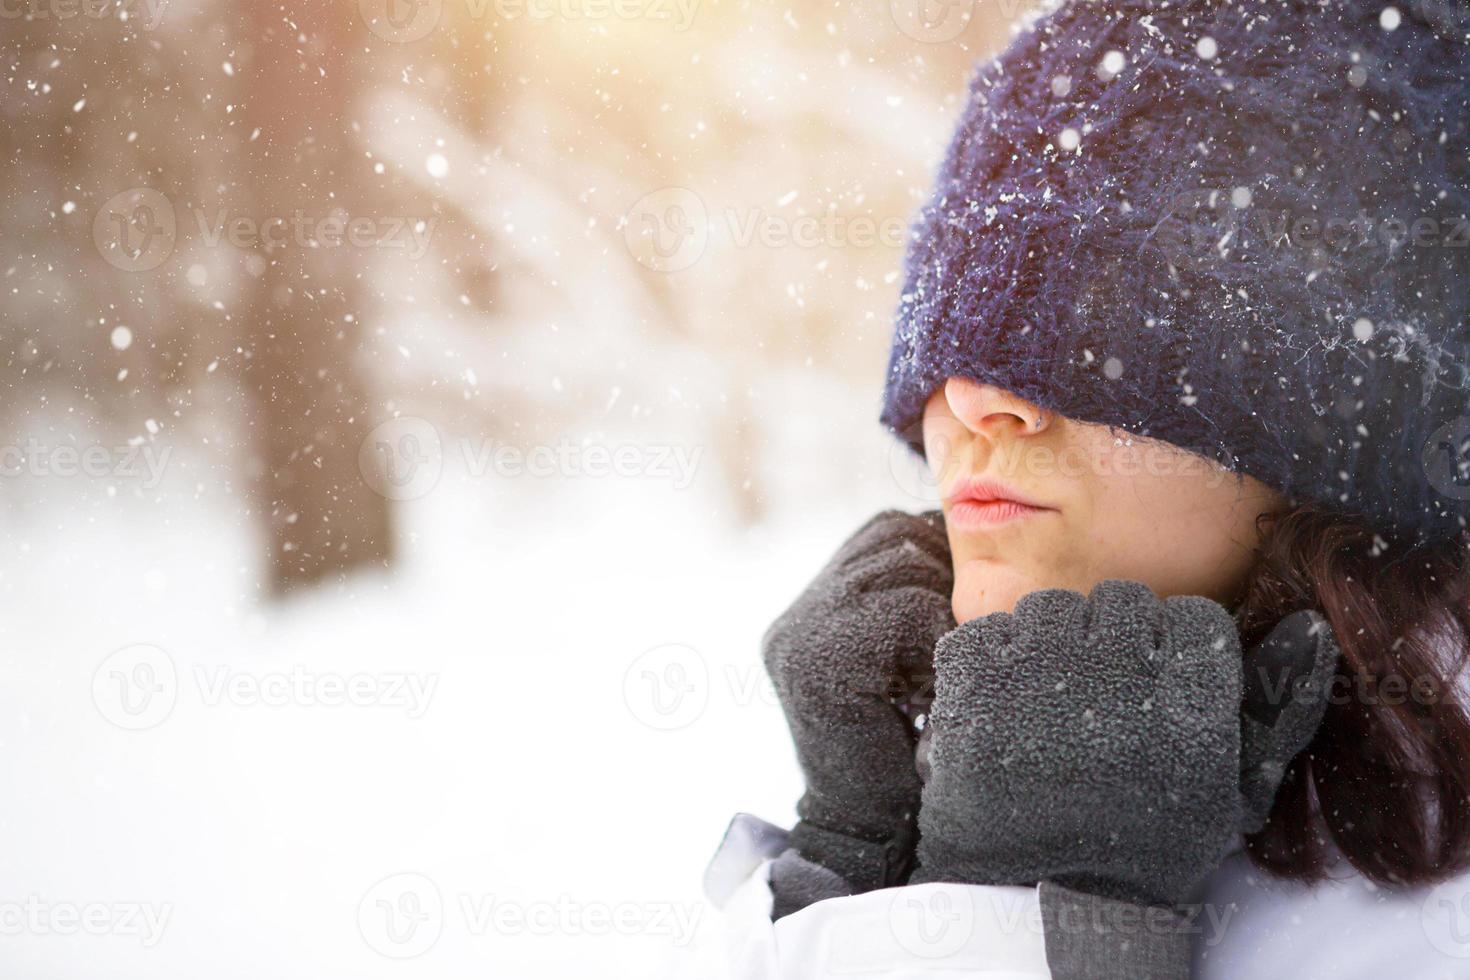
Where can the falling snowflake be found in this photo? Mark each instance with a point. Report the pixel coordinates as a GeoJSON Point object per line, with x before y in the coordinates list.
{"type": "Point", "coordinates": [1112, 64]}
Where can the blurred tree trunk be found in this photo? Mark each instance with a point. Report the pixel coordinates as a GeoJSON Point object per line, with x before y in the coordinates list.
{"type": "Point", "coordinates": [304, 327]}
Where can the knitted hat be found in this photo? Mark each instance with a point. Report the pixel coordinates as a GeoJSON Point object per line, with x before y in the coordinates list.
{"type": "Point", "coordinates": [1238, 226]}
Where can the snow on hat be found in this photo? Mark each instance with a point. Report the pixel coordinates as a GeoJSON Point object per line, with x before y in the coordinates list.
{"type": "Point", "coordinates": [1242, 228]}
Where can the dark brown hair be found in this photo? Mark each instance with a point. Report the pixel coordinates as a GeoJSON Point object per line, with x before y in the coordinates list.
{"type": "Point", "coordinates": [1386, 780]}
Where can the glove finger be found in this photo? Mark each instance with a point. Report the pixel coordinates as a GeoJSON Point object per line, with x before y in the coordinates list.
{"type": "Point", "coordinates": [902, 564]}
{"type": "Point", "coordinates": [969, 660]}
{"type": "Point", "coordinates": [873, 654]}
{"type": "Point", "coordinates": [1198, 692]}
{"type": "Point", "coordinates": [1200, 639]}
{"type": "Point", "coordinates": [1285, 658]}
{"type": "Point", "coordinates": [914, 618]}
{"type": "Point", "coordinates": [1125, 615]}
{"type": "Point", "coordinates": [1033, 629]}
{"type": "Point", "coordinates": [1285, 690]}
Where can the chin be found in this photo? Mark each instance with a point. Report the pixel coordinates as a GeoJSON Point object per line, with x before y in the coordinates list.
{"type": "Point", "coordinates": [983, 586]}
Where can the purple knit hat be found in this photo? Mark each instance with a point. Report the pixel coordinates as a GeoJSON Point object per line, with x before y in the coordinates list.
{"type": "Point", "coordinates": [1239, 227]}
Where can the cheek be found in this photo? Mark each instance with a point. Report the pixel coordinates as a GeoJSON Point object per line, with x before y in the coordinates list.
{"type": "Point", "coordinates": [944, 441]}
{"type": "Point", "coordinates": [1179, 535]}
{"type": "Point", "coordinates": [1135, 520]}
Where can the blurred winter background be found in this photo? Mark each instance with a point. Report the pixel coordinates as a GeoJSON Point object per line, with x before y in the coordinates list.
{"type": "Point", "coordinates": [414, 411]}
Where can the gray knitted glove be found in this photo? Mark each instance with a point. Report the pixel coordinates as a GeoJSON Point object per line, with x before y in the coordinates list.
{"type": "Point", "coordinates": [858, 643]}
{"type": "Point", "coordinates": [797, 883]}
{"type": "Point", "coordinates": [1101, 744]}
{"type": "Point", "coordinates": [1287, 681]}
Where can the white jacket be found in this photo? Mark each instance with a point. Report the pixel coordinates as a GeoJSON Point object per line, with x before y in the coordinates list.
{"type": "Point", "coordinates": [1250, 926]}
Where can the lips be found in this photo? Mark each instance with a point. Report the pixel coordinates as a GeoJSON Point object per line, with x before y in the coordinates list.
{"type": "Point", "coordinates": [981, 503]}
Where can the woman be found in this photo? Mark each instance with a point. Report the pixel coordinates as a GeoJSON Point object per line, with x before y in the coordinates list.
{"type": "Point", "coordinates": [1184, 340]}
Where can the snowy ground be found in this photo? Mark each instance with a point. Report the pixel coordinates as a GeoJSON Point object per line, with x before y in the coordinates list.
{"type": "Point", "coordinates": [514, 762]}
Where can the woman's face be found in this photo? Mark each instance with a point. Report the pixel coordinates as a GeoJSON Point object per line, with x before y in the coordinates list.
{"type": "Point", "coordinates": [1034, 501]}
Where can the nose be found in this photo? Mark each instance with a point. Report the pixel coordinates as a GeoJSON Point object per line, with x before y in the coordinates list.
{"type": "Point", "coordinates": [991, 411]}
